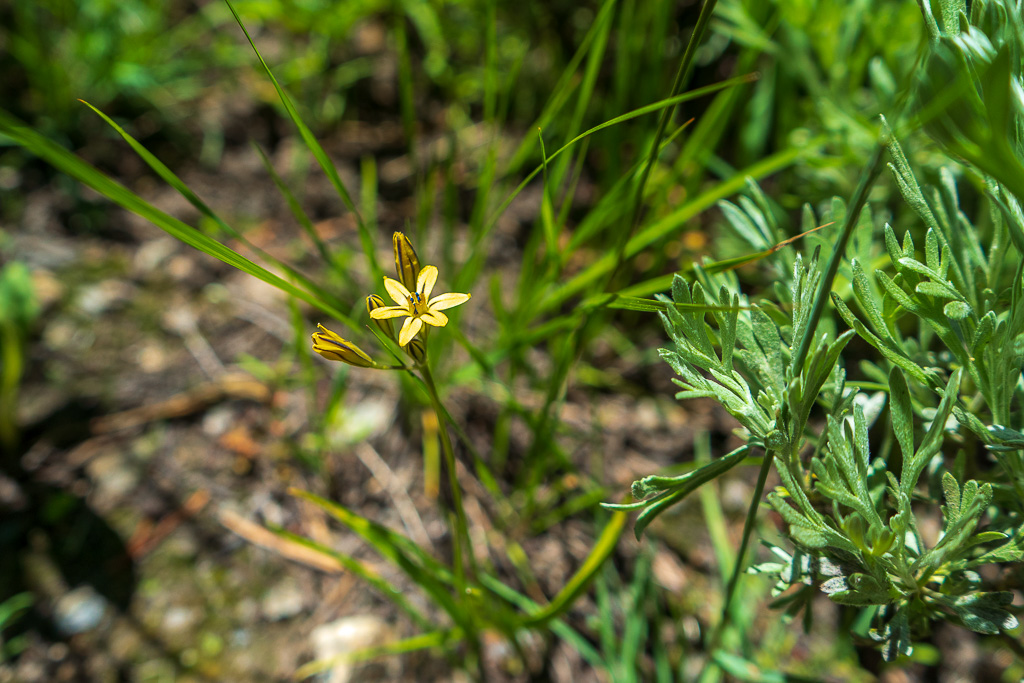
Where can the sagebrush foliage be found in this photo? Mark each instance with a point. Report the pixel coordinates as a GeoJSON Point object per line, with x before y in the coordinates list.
{"type": "Point", "coordinates": [946, 323]}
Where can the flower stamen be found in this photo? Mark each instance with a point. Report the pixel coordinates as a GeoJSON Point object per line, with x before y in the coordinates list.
{"type": "Point", "coordinates": [417, 305]}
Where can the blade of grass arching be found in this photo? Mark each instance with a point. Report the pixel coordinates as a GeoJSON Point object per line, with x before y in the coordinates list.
{"type": "Point", "coordinates": [715, 120]}
{"type": "Point", "coordinates": [296, 208]}
{"type": "Point", "coordinates": [628, 298]}
{"type": "Point", "coordinates": [612, 205]}
{"type": "Point", "coordinates": [604, 546]}
{"type": "Point", "coordinates": [632, 303]}
{"type": "Point", "coordinates": [541, 332]}
{"type": "Point", "coordinates": [376, 533]}
{"type": "Point", "coordinates": [169, 177]}
{"type": "Point", "coordinates": [628, 116]}
{"type": "Point", "coordinates": [68, 163]}
{"type": "Point", "coordinates": [311, 143]}
{"type": "Point", "coordinates": [471, 268]}
{"type": "Point", "coordinates": [665, 226]}
{"type": "Point", "coordinates": [364, 572]}
{"type": "Point", "coordinates": [555, 625]}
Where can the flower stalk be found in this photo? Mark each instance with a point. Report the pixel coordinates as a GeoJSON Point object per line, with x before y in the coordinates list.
{"type": "Point", "coordinates": [461, 528]}
{"type": "Point", "coordinates": [411, 292]}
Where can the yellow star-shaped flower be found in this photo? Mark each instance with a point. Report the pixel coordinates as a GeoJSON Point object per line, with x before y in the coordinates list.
{"type": "Point", "coordinates": [416, 304]}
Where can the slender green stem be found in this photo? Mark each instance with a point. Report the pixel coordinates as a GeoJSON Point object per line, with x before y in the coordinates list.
{"type": "Point", "coordinates": [737, 566]}
{"type": "Point", "coordinates": [860, 198]}
{"type": "Point", "coordinates": [461, 531]}
{"type": "Point", "coordinates": [462, 548]}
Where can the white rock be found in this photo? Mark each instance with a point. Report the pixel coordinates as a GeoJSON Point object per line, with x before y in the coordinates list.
{"type": "Point", "coordinates": [283, 601]}
{"type": "Point", "coordinates": [333, 641]}
{"type": "Point", "coordinates": [79, 610]}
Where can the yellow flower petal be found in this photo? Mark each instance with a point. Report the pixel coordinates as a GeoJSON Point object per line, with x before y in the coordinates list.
{"type": "Point", "coordinates": [397, 291]}
{"type": "Point", "coordinates": [389, 312]}
{"type": "Point", "coordinates": [435, 318]}
{"type": "Point", "coordinates": [409, 330]}
{"type": "Point", "coordinates": [445, 301]}
{"type": "Point", "coordinates": [425, 283]}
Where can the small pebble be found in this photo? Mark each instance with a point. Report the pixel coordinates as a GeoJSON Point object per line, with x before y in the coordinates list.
{"type": "Point", "coordinates": [79, 610]}
{"type": "Point", "coordinates": [283, 601]}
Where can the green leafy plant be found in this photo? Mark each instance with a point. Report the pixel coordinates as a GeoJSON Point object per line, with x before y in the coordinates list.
{"type": "Point", "coordinates": [947, 329]}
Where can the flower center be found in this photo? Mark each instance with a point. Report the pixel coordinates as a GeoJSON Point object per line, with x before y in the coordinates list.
{"type": "Point", "coordinates": [416, 304]}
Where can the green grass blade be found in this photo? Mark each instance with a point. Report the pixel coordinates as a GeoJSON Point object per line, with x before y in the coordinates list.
{"type": "Point", "coordinates": [557, 626]}
{"type": "Point", "coordinates": [379, 533]}
{"type": "Point", "coordinates": [606, 543]}
{"type": "Point", "coordinates": [363, 571]}
{"type": "Point", "coordinates": [562, 90]}
{"type": "Point", "coordinates": [595, 58]}
{"type": "Point", "coordinates": [469, 273]}
{"type": "Point", "coordinates": [635, 631]}
{"type": "Point", "coordinates": [68, 163]}
{"type": "Point", "coordinates": [310, 140]}
{"type": "Point", "coordinates": [665, 226]}
{"type": "Point", "coordinates": [295, 207]}
{"type": "Point", "coordinates": [428, 574]}
{"type": "Point", "coordinates": [682, 75]}
{"type": "Point", "coordinates": [169, 177]}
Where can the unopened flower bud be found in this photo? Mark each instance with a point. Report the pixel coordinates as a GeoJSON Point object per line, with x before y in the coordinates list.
{"type": "Point", "coordinates": [417, 350]}
{"type": "Point", "coordinates": [332, 347]}
{"type": "Point", "coordinates": [385, 325]}
{"type": "Point", "coordinates": [407, 264]}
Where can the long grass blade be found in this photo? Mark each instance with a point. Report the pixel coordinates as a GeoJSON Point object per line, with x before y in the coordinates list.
{"type": "Point", "coordinates": [169, 177]}
{"type": "Point", "coordinates": [311, 142]}
{"type": "Point", "coordinates": [89, 175]}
